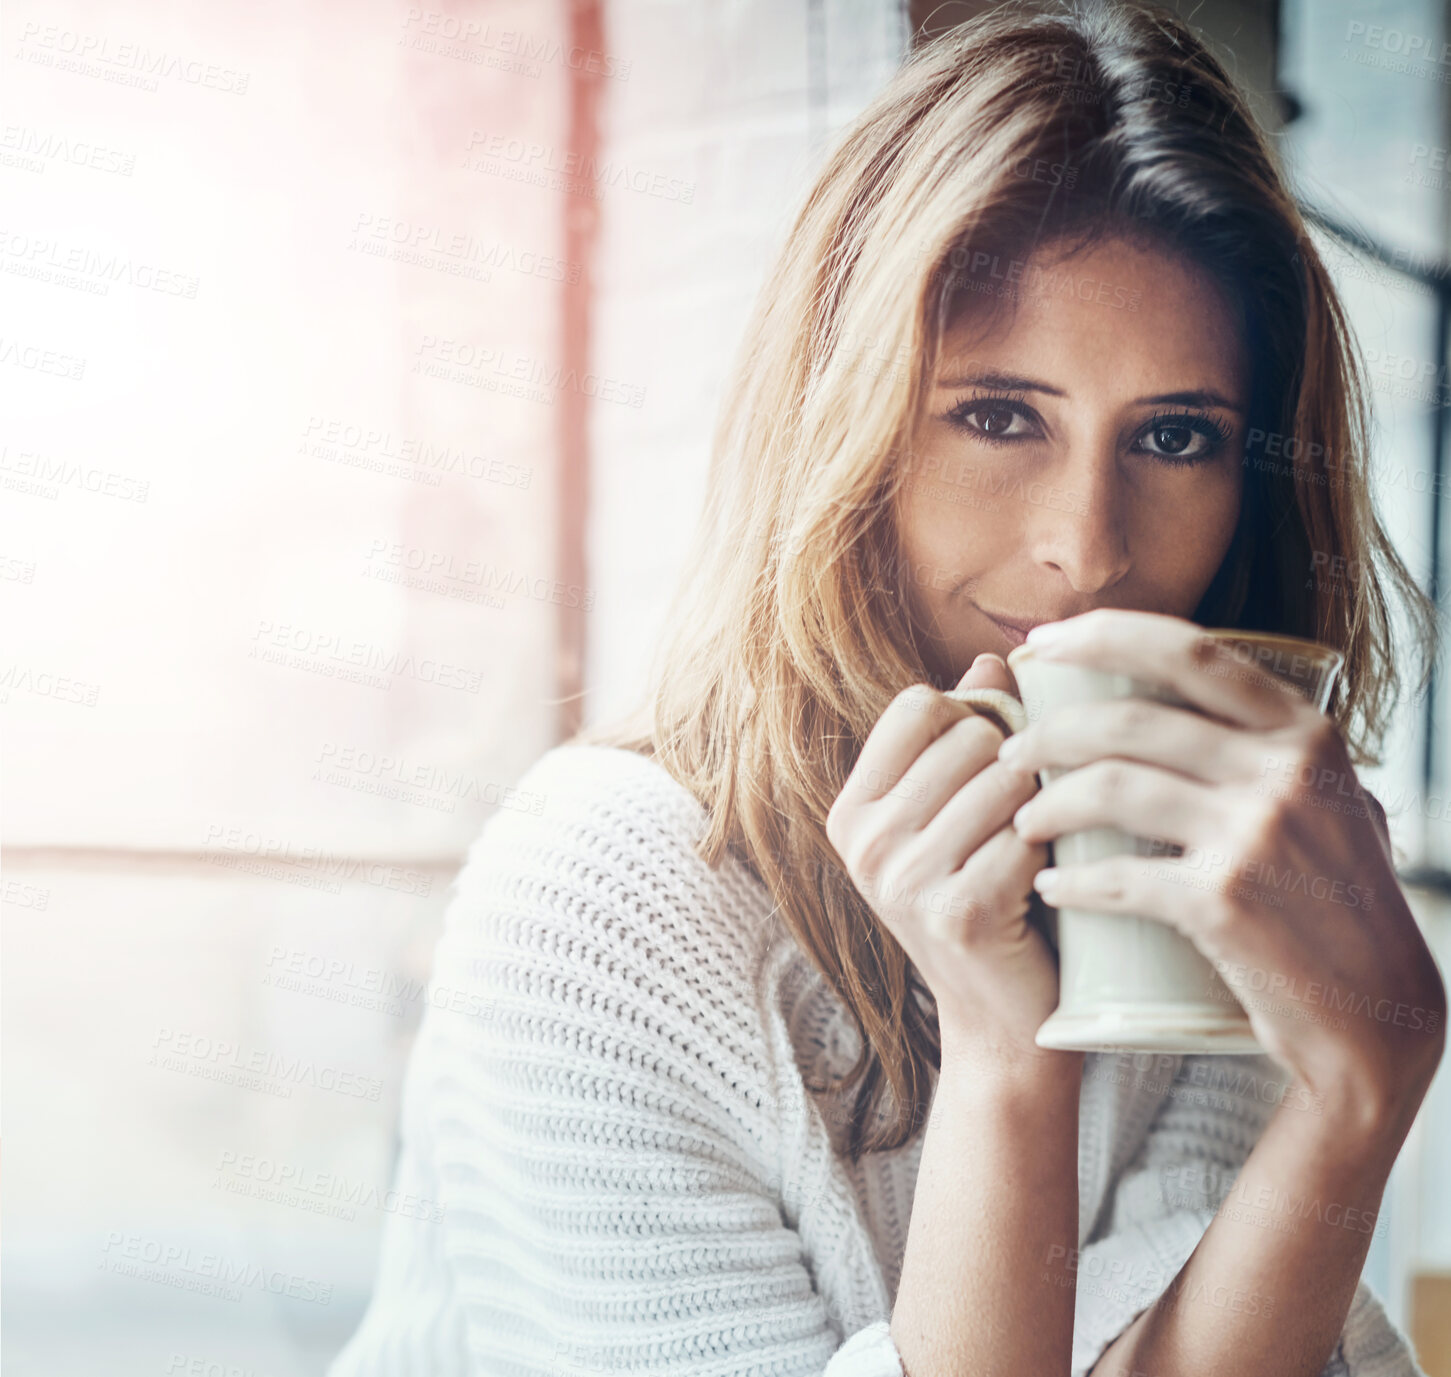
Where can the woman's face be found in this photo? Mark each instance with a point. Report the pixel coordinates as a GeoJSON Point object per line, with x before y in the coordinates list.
{"type": "Point", "coordinates": [1082, 451]}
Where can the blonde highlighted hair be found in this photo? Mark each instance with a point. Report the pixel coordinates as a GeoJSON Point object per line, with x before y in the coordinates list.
{"type": "Point", "coordinates": [793, 628]}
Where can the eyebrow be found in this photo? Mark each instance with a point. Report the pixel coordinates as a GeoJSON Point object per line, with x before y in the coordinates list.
{"type": "Point", "coordinates": [1011, 382]}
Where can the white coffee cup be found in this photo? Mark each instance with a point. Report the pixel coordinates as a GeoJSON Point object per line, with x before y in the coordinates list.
{"type": "Point", "coordinates": [1126, 983]}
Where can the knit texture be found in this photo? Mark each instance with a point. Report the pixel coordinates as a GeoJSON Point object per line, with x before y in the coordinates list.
{"type": "Point", "coordinates": [614, 1097]}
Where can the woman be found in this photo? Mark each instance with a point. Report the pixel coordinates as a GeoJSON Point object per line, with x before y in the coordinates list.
{"type": "Point", "coordinates": [757, 1090]}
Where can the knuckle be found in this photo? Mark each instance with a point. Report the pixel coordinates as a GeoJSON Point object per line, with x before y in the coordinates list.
{"type": "Point", "coordinates": [872, 852]}
{"type": "Point", "coordinates": [1108, 781]}
{"type": "Point", "coordinates": [940, 923]}
{"type": "Point", "coordinates": [1135, 717]}
{"type": "Point", "coordinates": [1260, 820]}
{"type": "Point", "coordinates": [1112, 881]}
{"type": "Point", "coordinates": [951, 915]}
{"type": "Point", "coordinates": [1217, 913]}
{"type": "Point", "coordinates": [976, 732]}
{"type": "Point", "coordinates": [1204, 648]}
{"type": "Point", "coordinates": [915, 698]}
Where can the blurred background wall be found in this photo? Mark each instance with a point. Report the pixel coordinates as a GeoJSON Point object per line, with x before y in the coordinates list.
{"type": "Point", "coordinates": [357, 370]}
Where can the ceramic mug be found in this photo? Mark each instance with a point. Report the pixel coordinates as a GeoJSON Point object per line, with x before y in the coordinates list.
{"type": "Point", "coordinates": [1126, 983]}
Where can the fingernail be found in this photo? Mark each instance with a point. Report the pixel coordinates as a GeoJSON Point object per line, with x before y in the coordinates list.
{"type": "Point", "coordinates": [1045, 633]}
{"type": "Point", "coordinates": [1010, 749]}
{"type": "Point", "coordinates": [1022, 817]}
{"type": "Point", "coordinates": [1045, 882]}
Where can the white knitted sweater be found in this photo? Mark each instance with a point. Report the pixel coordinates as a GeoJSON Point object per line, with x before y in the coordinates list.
{"type": "Point", "coordinates": [608, 1102]}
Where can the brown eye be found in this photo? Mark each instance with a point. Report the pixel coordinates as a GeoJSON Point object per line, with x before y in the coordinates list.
{"type": "Point", "coordinates": [1173, 439]}
{"type": "Point", "coordinates": [993, 420]}
{"type": "Point", "coordinates": [1184, 439]}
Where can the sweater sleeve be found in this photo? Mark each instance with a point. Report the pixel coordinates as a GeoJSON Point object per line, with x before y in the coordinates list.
{"type": "Point", "coordinates": [1205, 1128]}
{"type": "Point", "coordinates": [591, 1103]}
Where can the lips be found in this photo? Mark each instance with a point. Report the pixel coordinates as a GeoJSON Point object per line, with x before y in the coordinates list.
{"type": "Point", "coordinates": [1014, 628]}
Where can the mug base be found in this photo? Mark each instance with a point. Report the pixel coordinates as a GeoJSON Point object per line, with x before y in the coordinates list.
{"type": "Point", "coordinates": [1149, 1028]}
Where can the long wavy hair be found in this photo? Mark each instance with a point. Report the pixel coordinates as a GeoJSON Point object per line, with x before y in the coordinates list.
{"type": "Point", "coordinates": [793, 628]}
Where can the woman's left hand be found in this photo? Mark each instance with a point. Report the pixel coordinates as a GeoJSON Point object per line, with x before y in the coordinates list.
{"type": "Point", "coordinates": [1284, 885]}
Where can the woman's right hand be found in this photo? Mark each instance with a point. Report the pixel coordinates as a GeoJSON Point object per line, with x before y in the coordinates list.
{"type": "Point", "coordinates": [924, 827]}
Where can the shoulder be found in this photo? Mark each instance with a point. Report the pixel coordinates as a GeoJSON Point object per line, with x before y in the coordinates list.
{"type": "Point", "coordinates": [614, 801]}
{"type": "Point", "coordinates": [609, 827]}
{"type": "Point", "coordinates": [589, 888]}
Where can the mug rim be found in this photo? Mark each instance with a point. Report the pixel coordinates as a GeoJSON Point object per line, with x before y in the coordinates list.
{"type": "Point", "coordinates": [1327, 654]}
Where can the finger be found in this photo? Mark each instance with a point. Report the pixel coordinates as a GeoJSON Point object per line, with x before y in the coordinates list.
{"type": "Point", "coordinates": [1142, 800]}
{"type": "Point", "coordinates": [981, 806]}
{"type": "Point", "coordinates": [911, 721]}
{"type": "Point", "coordinates": [1001, 869]}
{"type": "Point", "coordinates": [957, 756]}
{"type": "Point", "coordinates": [1172, 738]}
{"type": "Point", "coordinates": [987, 893]}
{"type": "Point", "coordinates": [1172, 652]}
{"type": "Point", "coordinates": [989, 671]}
{"type": "Point", "coordinates": [1180, 896]}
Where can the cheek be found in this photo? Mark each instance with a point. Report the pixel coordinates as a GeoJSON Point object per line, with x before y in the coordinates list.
{"type": "Point", "coordinates": [948, 532]}
{"type": "Point", "coordinates": [953, 515]}
{"type": "Point", "coordinates": [1189, 524]}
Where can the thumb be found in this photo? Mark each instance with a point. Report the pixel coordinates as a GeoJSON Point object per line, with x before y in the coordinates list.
{"type": "Point", "coordinates": [989, 671]}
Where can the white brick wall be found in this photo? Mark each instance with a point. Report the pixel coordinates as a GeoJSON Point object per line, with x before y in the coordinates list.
{"type": "Point", "coordinates": [276, 418]}
{"type": "Point", "coordinates": [278, 423]}
{"type": "Point", "coordinates": [734, 103]}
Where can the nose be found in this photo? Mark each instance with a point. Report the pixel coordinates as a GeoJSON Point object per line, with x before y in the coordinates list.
{"type": "Point", "coordinates": [1079, 528]}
